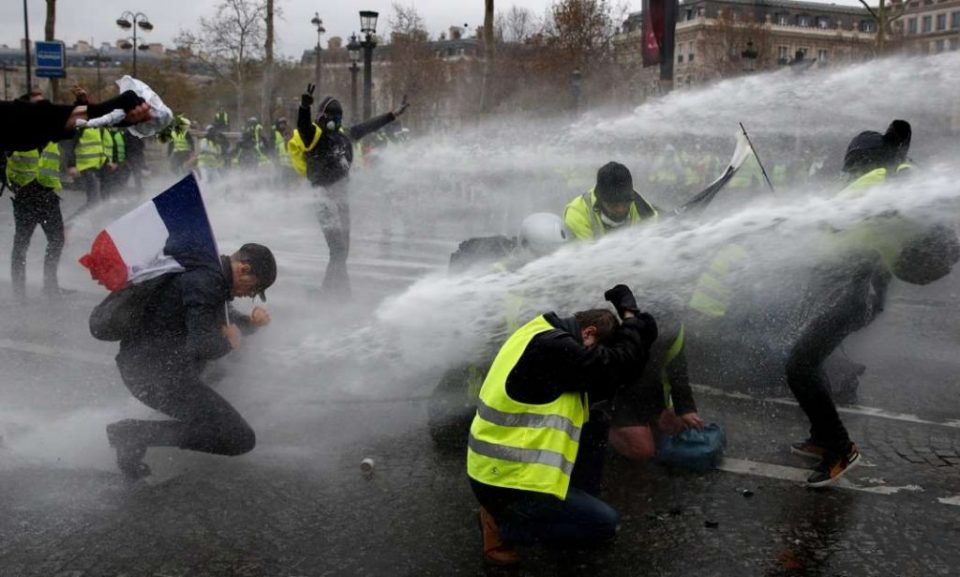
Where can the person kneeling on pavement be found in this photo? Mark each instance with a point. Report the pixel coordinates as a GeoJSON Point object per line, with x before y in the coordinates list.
{"type": "Point", "coordinates": [184, 326]}
{"type": "Point", "coordinates": [525, 440]}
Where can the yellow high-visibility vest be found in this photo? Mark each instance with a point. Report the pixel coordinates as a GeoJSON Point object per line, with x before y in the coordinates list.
{"type": "Point", "coordinates": [582, 216]}
{"type": "Point", "coordinates": [530, 447]}
{"type": "Point", "coordinates": [89, 150]}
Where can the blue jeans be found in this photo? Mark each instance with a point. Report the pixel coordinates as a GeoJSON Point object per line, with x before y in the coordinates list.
{"type": "Point", "coordinates": [538, 517]}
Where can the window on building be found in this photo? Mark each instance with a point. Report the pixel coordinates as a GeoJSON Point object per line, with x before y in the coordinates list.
{"type": "Point", "coordinates": [822, 55]}
{"type": "Point", "coordinates": [941, 21]}
{"type": "Point", "coordinates": [927, 24]}
{"type": "Point", "coordinates": [803, 20]}
{"type": "Point", "coordinates": [679, 58]}
{"type": "Point", "coordinates": [823, 22]}
{"type": "Point", "coordinates": [689, 14]}
{"type": "Point", "coordinates": [955, 20]}
{"type": "Point", "coordinates": [690, 52]}
{"type": "Point", "coordinates": [867, 26]}
{"type": "Point", "coordinates": [912, 26]}
{"type": "Point", "coordinates": [954, 43]}
{"type": "Point", "coordinates": [783, 54]}
{"type": "Point", "coordinates": [940, 44]}
{"type": "Point", "coordinates": [783, 19]}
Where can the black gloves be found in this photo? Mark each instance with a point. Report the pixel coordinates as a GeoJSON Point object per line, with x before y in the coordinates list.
{"type": "Point", "coordinates": [126, 102]}
{"type": "Point", "coordinates": [622, 299]}
{"type": "Point", "coordinates": [306, 99]}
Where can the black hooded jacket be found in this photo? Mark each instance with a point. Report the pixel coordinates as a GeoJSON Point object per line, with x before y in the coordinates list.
{"type": "Point", "coordinates": [329, 161]}
{"type": "Point", "coordinates": [182, 322]}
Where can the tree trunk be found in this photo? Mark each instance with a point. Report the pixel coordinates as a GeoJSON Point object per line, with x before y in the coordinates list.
{"type": "Point", "coordinates": [267, 86]}
{"type": "Point", "coordinates": [49, 34]}
{"type": "Point", "coordinates": [488, 55]}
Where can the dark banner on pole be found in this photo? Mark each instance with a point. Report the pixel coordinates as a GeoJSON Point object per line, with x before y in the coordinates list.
{"type": "Point", "coordinates": [659, 22]}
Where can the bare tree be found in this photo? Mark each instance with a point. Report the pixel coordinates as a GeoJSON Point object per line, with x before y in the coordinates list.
{"type": "Point", "coordinates": [229, 43]}
{"type": "Point", "coordinates": [267, 83]}
{"type": "Point", "coordinates": [412, 67]}
{"type": "Point", "coordinates": [516, 24]}
{"type": "Point", "coordinates": [583, 29]}
{"type": "Point", "coordinates": [489, 54]}
{"type": "Point", "coordinates": [48, 35]}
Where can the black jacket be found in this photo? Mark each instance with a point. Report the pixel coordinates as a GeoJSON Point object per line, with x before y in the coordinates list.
{"type": "Point", "coordinates": [181, 326]}
{"type": "Point", "coordinates": [556, 362]}
{"type": "Point", "coordinates": [30, 125]}
{"type": "Point", "coordinates": [329, 161]}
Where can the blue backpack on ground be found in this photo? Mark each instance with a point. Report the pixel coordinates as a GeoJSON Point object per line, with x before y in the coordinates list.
{"type": "Point", "coordinates": [692, 449]}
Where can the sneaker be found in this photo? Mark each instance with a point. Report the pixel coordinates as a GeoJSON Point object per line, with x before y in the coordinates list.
{"type": "Point", "coordinates": [495, 552]}
{"type": "Point", "coordinates": [831, 470]}
{"type": "Point", "coordinates": [130, 454]}
{"type": "Point", "coordinates": [807, 449]}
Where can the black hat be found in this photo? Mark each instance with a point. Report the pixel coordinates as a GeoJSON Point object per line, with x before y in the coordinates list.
{"type": "Point", "coordinates": [869, 149]}
{"type": "Point", "coordinates": [897, 139]}
{"type": "Point", "coordinates": [262, 265]}
{"type": "Point", "coordinates": [614, 183]}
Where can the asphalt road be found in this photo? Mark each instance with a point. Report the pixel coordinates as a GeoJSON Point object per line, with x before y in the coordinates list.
{"type": "Point", "coordinates": [299, 506]}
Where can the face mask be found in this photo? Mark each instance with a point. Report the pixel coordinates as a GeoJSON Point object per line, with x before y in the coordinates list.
{"type": "Point", "coordinates": [334, 122]}
{"type": "Point", "coordinates": [609, 222]}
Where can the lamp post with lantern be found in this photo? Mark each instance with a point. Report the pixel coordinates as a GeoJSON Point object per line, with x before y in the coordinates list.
{"type": "Point", "coordinates": [368, 28]}
{"type": "Point", "coordinates": [316, 21]}
{"type": "Point", "coordinates": [134, 20]}
{"type": "Point", "coordinates": [353, 48]}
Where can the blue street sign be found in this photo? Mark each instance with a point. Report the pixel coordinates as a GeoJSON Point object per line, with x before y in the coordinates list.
{"type": "Point", "coordinates": [51, 59]}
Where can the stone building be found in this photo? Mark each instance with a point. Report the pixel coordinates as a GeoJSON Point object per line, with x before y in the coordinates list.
{"type": "Point", "coordinates": [928, 26]}
{"type": "Point", "coordinates": [719, 38]}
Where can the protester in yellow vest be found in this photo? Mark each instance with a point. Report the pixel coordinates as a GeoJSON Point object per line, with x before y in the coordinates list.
{"type": "Point", "coordinates": [868, 255]}
{"type": "Point", "coordinates": [529, 434]}
{"type": "Point", "coordinates": [611, 204]}
{"type": "Point", "coordinates": [181, 148]}
{"type": "Point", "coordinates": [34, 177]}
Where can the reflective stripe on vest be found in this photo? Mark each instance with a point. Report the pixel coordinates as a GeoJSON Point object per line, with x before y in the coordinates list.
{"type": "Point", "coordinates": [107, 145]}
{"type": "Point", "coordinates": [49, 173]}
{"type": "Point", "coordinates": [530, 447]}
{"type": "Point", "coordinates": [22, 167]}
{"type": "Point", "coordinates": [89, 151]}
{"type": "Point", "coordinates": [675, 349]}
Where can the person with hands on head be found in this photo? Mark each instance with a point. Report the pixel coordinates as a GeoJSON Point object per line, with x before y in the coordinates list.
{"type": "Point", "coordinates": [525, 449]}
{"type": "Point", "coordinates": [322, 151]}
{"type": "Point", "coordinates": [185, 325]}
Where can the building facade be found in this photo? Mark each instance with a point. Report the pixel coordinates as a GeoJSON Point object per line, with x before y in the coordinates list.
{"type": "Point", "coordinates": [928, 26]}
{"type": "Point", "coordinates": [719, 38]}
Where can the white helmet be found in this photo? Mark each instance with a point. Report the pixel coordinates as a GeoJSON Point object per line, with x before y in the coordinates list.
{"type": "Point", "coordinates": [542, 233]}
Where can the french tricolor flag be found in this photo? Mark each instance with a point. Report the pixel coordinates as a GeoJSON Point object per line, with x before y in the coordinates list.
{"type": "Point", "coordinates": [144, 243]}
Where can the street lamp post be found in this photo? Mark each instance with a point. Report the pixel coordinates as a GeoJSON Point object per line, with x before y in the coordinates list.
{"type": "Point", "coordinates": [316, 21]}
{"type": "Point", "coordinates": [98, 58]}
{"type": "Point", "coordinates": [576, 83]}
{"type": "Point", "coordinates": [353, 47]}
{"type": "Point", "coordinates": [749, 57]}
{"type": "Point", "coordinates": [368, 27]}
{"type": "Point", "coordinates": [134, 20]}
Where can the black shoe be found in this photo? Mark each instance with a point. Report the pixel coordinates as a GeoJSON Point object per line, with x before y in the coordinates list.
{"type": "Point", "coordinates": [832, 468]}
{"type": "Point", "coordinates": [808, 449]}
{"type": "Point", "coordinates": [130, 453]}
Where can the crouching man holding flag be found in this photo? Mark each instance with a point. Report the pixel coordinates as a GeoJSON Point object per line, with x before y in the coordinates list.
{"type": "Point", "coordinates": [169, 309]}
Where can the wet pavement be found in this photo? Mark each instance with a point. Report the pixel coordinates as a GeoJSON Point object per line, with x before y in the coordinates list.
{"type": "Point", "coordinates": [299, 505]}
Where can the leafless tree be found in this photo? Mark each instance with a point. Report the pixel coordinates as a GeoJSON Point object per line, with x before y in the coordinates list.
{"type": "Point", "coordinates": [489, 53]}
{"type": "Point", "coordinates": [516, 24]}
{"type": "Point", "coordinates": [229, 43]}
{"type": "Point", "coordinates": [267, 84]}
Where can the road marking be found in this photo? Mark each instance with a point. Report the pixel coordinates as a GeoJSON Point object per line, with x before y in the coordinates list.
{"type": "Point", "coordinates": [796, 475]}
{"type": "Point", "coordinates": [955, 500]}
{"type": "Point", "coordinates": [33, 348]}
{"type": "Point", "coordinates": [849, 409]}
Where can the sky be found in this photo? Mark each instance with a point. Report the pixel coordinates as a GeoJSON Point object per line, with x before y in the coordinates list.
{"type": "Point", "coordinates": [95, 19]}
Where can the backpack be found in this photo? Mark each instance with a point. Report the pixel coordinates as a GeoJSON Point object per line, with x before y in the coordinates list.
{"type": "Point", "coordinates": [693, 450]}
{"type": "Point", "coordinates": [474, 251]}
{"type": "Point", "coordinates": [120, 314]}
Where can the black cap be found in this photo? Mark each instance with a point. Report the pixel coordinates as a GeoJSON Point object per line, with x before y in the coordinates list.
{"type": "Point", "coordinates": [869, 149]}
{"type": "Point", "coordinates": [262, 265]}
{"type": "Point", "coordinates": [614, 183]}
{"type": "Point", "coordinates": [330, 107]}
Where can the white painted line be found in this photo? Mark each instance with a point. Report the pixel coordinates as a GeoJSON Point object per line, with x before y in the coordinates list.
{"type": "Point", "coordinates": [33, 348]}
{"type": "Point", "coordinates": [955, 500]}
{"type": "Point", "coordinates": [850, 409]}
{"type": "Point", "coordinates": [795, 475]}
